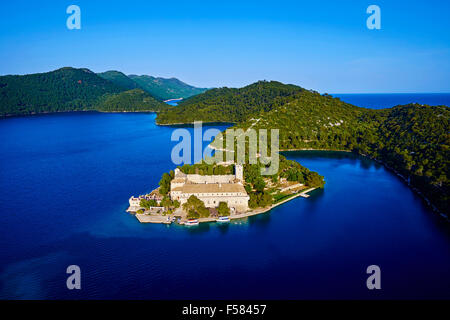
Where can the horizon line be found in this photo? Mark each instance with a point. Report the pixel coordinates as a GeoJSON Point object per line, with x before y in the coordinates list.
{"type": "Point", "coordinates": [223, 86]}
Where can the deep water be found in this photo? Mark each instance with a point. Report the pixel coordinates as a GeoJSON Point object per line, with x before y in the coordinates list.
{"type": "Point", "coordinates": [386, 100]}
{"type": "Point", "coordinates": [65, 180]}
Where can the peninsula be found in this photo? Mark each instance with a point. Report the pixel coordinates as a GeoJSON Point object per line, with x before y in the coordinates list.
{"type": "Point", "coordinates": [411, 140]}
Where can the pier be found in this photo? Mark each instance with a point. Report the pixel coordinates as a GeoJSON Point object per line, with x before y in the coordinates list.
{"type": "Point", "coordinates": [149, 218]}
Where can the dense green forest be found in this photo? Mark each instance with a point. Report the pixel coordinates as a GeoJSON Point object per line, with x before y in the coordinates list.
{"type": "Point", "coordinates": [160, 88]}
{"type": "Point", "coordinates": [65, 89]}
{"type": "Point", "coordinates": [230, 104]}
{"type": "Point", "coordinates": [71, 89]}
{"type": "Point", "coordinates": [413, 139]}
{"type": "Point", "coordinates": [203, 168]}
{"type": "Point", "coordinates": [164, 89]}
{"type": "Point", "coordinates": [119, 79]}
{"type": "Point", "coordinates": [256, 184]}
{"type": "Point", "coordinates": [131, 100]}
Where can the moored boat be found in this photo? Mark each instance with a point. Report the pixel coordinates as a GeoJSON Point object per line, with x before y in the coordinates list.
{"type": "Point", "coordinates": [223, 219]}
{"type": "Point", "coordinates": [191, 222]}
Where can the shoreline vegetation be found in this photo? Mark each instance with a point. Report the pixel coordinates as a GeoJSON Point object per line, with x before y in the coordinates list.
{"type": "Point", "coordinates": [398, 174]}
{"type": "Point", "coordinates": [80, 89]}
{"type": "Point", "coordinates": [145, 218]}
{"type": "Point", "coordinates": [3, 116]}
{"type": "Point", "coordinates": [413, 188]}
{"type": "Point", "coordinates": [189, 124]}
{"type": "Point", "coordinates": [262, 193]}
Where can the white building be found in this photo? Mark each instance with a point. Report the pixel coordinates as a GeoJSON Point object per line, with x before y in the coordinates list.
{"type": "Point", "coordinates": [211, 189]}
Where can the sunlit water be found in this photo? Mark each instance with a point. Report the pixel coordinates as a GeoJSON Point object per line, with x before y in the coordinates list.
{"type": "Point", "coordinates": [65, 181]}
{"type": "Point", "coordinates": [386, 100]}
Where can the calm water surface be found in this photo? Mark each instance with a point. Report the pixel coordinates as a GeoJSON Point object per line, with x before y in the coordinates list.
{"type": "Point", "coordinates": [65, 181]}
{"type": "Point", "coordinates": [386, 100]}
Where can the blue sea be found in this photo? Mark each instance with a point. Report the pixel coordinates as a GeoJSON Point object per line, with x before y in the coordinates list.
{"type": "Point", "coordinates": [384, 100]}
{"type": "Point", "coordinates": [65, 180]}
{"type": "Point", "coordinates": [174, 102]}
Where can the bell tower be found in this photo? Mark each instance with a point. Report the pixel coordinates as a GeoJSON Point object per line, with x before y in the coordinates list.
{"type": "Point", "coordinates": [239, 172]}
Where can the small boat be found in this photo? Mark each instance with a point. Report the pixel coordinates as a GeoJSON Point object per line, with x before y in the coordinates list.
{"type": "Point", "coordinates": [191, 222]}
{"type": "Point", "coordinates": [223, 219]}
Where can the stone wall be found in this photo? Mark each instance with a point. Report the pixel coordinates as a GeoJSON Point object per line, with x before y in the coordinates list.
{"type": "Point", "coordinates": [240, 203]}
{"type": "Point", "coordinates": [196, 178]}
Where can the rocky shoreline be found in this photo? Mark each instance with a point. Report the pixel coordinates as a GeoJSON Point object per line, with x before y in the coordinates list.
{"type": "Point", "coordinates": [145, 218]}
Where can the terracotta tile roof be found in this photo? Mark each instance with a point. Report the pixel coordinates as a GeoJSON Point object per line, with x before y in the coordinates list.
{"type": "Point", "coordinates": [211, 188]}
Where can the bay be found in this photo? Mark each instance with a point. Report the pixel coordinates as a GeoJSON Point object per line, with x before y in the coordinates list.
{"type": "Point", "coordinates": [65, 180]}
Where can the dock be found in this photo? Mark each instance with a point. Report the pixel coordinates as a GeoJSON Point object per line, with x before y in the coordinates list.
{"type": "Point", "coordinates": [147, 218]}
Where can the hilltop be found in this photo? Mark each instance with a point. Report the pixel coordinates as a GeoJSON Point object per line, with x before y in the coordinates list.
{"type": "Point", "coordinates": [230, 104]}
{"type": "Point", "coordinates": [159, 88]}
{"type": "Point", "coordinates": [164, 89]}
{"type": "Point", "coordinates": [130, 101]}
{"type": "Point", "coordinates": [71, 89]}
{"type": "Point", "coordinates": [119, 79]}
{"type": "Point", "coordinates": [65, 89]}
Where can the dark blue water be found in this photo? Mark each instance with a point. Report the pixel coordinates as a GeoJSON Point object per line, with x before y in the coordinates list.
{"type": "Point", "coordinates": [383, 100]}
{"type": "Point", "coordinates": [174, 102]}
{"type": "Point", "coordinates": [64, 185]}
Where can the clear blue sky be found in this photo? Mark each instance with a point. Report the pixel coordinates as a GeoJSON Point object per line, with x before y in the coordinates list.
{"type": "Point", "coordinates": [321, 45]}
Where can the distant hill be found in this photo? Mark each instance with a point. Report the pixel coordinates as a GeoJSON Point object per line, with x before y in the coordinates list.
{"type": "Point", "coordinates": [119, 79]}
{"type": "Point", "coordinates": [165, 89]}
{"type": "Point", "coordinates": [230, 104]}
{"type": "Point", "coordinates": [131, 100]}
{"type": "Point", "coordinates": [67, 89]}
{"type": "Point", "coordinates": [160, 88]}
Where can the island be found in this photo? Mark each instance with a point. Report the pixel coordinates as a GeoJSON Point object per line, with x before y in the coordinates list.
{"type": "Point", "coordinates": [203, 192]}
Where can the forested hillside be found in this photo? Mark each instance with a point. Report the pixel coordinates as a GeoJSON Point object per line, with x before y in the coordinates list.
{"type": "Point", "coordinates": [230, 104]}
{"type": "Point", "coordinates": [119, 79]}
{"type": "Point", "coordinates": [131, 100]}
{"type": "Point", "coordinates": [413, 140]}
{"type": "Point", "coordinates": [164, 89]}
{"type": "Point", "coordinates": [65, 89]}
{"type": "Point", "coordinates": [71, 89]}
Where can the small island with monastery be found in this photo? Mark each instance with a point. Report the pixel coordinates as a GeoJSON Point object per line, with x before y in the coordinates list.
{"type": "Point", "coordinates": [192, 194]}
